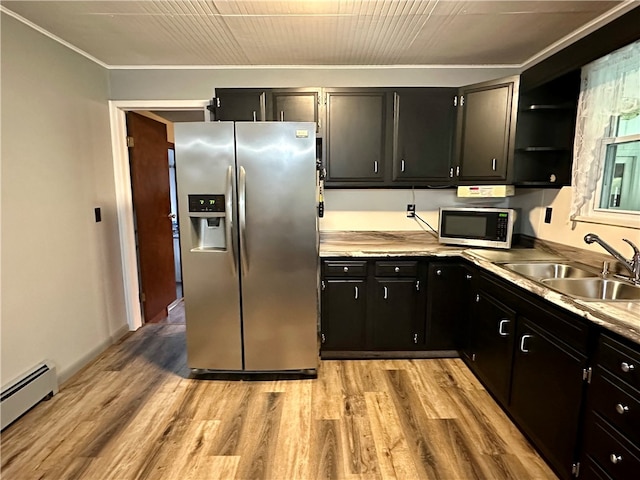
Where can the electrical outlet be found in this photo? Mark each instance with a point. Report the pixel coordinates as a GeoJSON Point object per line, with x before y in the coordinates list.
{"type": "Point", "coordinates": [547, 215]}
{"type": "Point", "coordinates": [411, 210]}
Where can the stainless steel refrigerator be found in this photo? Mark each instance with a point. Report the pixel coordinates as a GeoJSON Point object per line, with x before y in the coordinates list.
{"type": "Point", "coordinates": [249, 244]}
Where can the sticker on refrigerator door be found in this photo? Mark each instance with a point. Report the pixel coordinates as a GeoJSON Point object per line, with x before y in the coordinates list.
{"type": "Point", "coordinates": [302, 133]}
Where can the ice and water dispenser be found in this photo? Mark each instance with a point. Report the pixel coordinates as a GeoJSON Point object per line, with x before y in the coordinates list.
{"type": "Point", "coordinates": [208, 216]}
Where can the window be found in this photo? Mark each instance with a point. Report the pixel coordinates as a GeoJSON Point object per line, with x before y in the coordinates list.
{"type": "Point", "coordinates": [619, 186]}
{"type": "Point", "coordinates": [606, 165]}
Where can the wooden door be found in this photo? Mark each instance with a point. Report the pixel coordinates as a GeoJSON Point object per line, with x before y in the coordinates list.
{"type": "Point", "coordinates": [149, 163]}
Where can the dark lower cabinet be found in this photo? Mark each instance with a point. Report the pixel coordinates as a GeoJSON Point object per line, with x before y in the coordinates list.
{"type": "Point", "coordinates": [546, 390]}
{"type": "Point", "coordinates": [372, 305]}
{"type": "Point", "coordinates": [491, 343]}
{"type": "Point", "coordinates": [447, 300]}
{"type": "Point", "coordinates": [393, 318]}
{"type": "Point", "coordinates": [611, 446]}
{"type": "Point", "coordinates": [344, 311]}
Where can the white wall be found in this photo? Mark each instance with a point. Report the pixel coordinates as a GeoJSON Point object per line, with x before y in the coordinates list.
{"type": "Point", "coordinates": [561, 229]}
{"type": "Point", "coordinates": [62, 294]}
{"type": "Point", "coordinates": [171, 84]}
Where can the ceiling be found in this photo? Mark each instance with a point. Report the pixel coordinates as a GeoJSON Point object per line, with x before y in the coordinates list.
{"type": "Point", "coordinates": [304, 33]}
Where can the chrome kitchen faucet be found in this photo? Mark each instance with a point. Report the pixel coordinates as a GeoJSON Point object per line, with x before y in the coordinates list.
{"type": "Point", "coordinates": [632, 265]}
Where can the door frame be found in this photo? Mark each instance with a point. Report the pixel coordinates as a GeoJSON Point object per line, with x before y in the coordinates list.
{"type": "Point", "coordinates": [124, 200]}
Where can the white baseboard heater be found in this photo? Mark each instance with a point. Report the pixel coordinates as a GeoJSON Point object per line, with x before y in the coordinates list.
{"type": "Point", "coordinates": [26, 391]}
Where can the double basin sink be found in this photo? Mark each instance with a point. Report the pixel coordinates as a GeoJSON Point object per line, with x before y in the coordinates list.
{"type": "Point", "coordinates": [577, 281]}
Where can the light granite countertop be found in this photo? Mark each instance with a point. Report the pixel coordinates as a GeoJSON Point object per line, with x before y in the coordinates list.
{"type": "Point", "coordinates": [620, 317]}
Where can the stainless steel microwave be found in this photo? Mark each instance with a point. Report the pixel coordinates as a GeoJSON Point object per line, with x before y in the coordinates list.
{"type": "Point", "coordinates": [477, 227]}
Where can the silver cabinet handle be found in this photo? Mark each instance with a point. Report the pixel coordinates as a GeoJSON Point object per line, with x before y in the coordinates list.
{"type": "Point", "coordinates": [415, 338]}
{"type": "Point", "coordinates": [477, 297]}
{"type": "Point", "coordinates": [375, 166]}
{"type": "Point", "coordinates": [345, 269]}
{"type": "Point", "coordinates": [229, 221]}
{"type": "Point", "coordinates": [494, 164]}
{"type": "Point", "coordinates": [468, 276]}
{"type": "Point", "coordinates": [356, 293]}
{"type": "Point", "coordinates": [522, 343]}
{"type": "Point", "coordinates": [282, 115]}
{"type": "Point", "coordinates": [242, 216]}
{"type": "Point", "coordinates": [255, 116]}
{"type": "Point", "coordinates": [418, 285]}
{"type": "Point", "coordinates": [324, 339]}
{"type": "Point", "coordinates": [438, 272]}
{"type": "Point", "coordinates": [502, 323]}
{"type": "Point", "coordinates": [627, 367]}
{"type": "Point", "coordinates": [458, 171]}
{"type": "Point", "coordinates": [451, 172]}
{"type": "Point", "coordinates": [621, 409]}
{"type": "Point", "coordinates": [397, 269]}
{"type": "Point", "coordinates": [263, 106]}
{"type": "Point", "coordinates": [386, 293]}
{"type": "Point", "coordinates": [402, 165]}
{"type": "Point", "coordinates": [615, 459]}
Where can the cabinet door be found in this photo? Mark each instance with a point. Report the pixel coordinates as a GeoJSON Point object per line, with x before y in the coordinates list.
{"type": "Point", "coordinates": [546, 391]}
{"type": "Point", "coordinates": [343, 314]}
{"type": "Point", "coordinates": [394, 314]}
{"type": "Point", "coordinates": [355, 137]}
{"type": "Point", "coordinates": [295, 106]}
{"type": "Point", "coordinates": [241, 104]}
{"type": "Point", "coordinates": [423, 134]}
{"type": "Point", "coordinates": [492, 328]}
{"type": "Point", "coordinates": [446, 305]}
{"type": "Point", "coordinates": [486, 129]}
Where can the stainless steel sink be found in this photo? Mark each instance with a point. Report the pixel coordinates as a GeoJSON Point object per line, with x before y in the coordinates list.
{"type": "Point", "coordinates": [594, 288]}
{"type": "Point", "coordinates": [540, 271]}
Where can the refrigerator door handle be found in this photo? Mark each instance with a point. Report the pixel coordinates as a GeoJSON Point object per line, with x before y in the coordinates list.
{"type": "Point", "coordinates": [229, 220]}
{"type": "Point", "coordinates": [242, 216]}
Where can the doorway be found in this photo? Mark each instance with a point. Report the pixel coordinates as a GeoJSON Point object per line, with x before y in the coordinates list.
{"type": "Point", "coordinates": [170, 111]}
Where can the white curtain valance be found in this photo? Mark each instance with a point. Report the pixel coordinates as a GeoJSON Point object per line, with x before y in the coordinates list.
{"type": "Point", "coordinates": [610, 87]}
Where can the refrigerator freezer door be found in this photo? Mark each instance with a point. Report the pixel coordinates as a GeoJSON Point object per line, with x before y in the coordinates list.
{"type": "Point", "coordinates": [279, 244]}
{"type": "Point", "coordinates": [205, 167]}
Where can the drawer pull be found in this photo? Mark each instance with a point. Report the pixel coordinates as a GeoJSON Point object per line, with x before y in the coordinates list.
{"type": "Point", "coordinates": [621, 409]}
{"type": "Point", "coordinates": [397, 269]}
{"type": "Point", "coordinates": [615, 459]}
{"type": "Point", "coordinates": [438, 272]}
{"type": "Point", "coordinates": [356, 292]}
{"type": "Point", "coordinates": [627, 367]}
{"type": "Point", "coordinates": [386, 293]}
{"type": "Point", "coordinates": [345, 269]}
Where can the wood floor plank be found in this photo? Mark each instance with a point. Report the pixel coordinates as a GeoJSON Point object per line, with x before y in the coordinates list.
{"type": "Point", "coordinates": [294, 435]}
{"type": "Point", "coordinates": [394, 457]}
{"type": "Point", "coordinates": [136, 414]}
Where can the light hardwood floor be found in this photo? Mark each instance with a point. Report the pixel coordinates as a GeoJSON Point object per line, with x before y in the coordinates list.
{"type": "Point", "coordinates": [135, 414]}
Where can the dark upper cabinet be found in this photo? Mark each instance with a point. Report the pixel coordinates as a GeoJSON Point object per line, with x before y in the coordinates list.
{"type": "Point", "coordinates": [356, 136]}
{"type": "Point", "coordinates": [485, 131]}
{"type": "Point", "coordinates": [240, 104]}
{"type": "Point", "coordinates": [423, 131]}
{"type": "Point", "coordinates": [296, 105]}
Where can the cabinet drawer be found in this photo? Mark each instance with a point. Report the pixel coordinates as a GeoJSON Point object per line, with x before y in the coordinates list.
{"type": "Point", "coordinates": [620, 408]}
{"type": "Point", "coordinates": [396, 269]}
{"type": "Point", "coordinates": [346, 268]}
{"type": "Point", "coordinates": [620, 360]}
{"type": "Point", "coordinates": [619, 458]}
